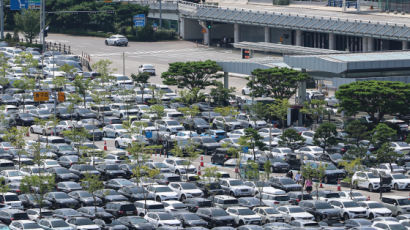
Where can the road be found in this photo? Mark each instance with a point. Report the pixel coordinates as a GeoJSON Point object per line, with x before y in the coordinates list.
{"type": "Point", "coordinates": [157, 53]}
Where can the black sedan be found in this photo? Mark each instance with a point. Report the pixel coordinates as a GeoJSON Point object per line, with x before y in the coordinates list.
{"type": "Point", "coordinates": [61, 200]}
{"type": "Point", "coordinates": [85, 198]}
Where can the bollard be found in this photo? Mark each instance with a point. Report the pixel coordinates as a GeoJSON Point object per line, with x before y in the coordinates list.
{"type": "Point", "coordinates": [202, 161]}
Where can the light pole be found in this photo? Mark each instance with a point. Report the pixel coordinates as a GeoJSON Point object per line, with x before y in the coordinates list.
{"type": "Point", "coordinates": [160, 14]}
{"type": "Point", "coordinates": [2, 19]}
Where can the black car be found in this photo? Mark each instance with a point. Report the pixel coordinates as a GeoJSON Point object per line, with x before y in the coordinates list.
{"type": "Point", "coordinates": [285, 184]}
{"type": "Point", "coordinates": [207, 144]}
{"type": "Point", "coordinates": [135, 223]}
{"type": "Point", "coordinates": [9, 215]}
{"type": "Point", "coordinates": [127, 168]}
{"type": "Point", "coordinates": [82, 113]}
{"type": "Point", "coordinates": [94, 133]}
{"type": "Point", "coordinates": [277, 164]}
{"type": "Point", "coordinates": [118, 183]}
{"type": "Point", "coordinates": [122, 208]}
{"type": "Point", "coordinates": [110, 224]}
{"type": "Point", "coordinates": [82, 169]}
{"type": "Point", "coordinates": [109, 171]}
{"type": "Point", "coordinates": [31, 201]}
{"type": "Point", "coordinates": [198, 124]}
{"type": "Point", "coordinates": [194, 203]}
{"type": "Point", "coordinates": [61, 200]}
{"type": "Point", "coordinates": [110, 195]}
{"type": "Point", "coordinates": [136, 193]}
{"type": "Point", "coordinates": [166, 178]}
{"type": "Point", "coordinates": [111, 120]}
{"type": "Point", "coordinates": [65, 213]}
{"type": "Point", "coordinates": [95, 212]}
{"type": "Point", "coordinates": [64, 113]}
{"type": "Point", "coordinates": [321, 210]}
{"type": "Point", "coordinates": [332, 173]}
{"type": "Point", "coordinates": [63, 174]}
{"type": "Point", "coordinates": [24, 119]}
{"type": "Point", "coordinates": [215, 217]}
{"type": "Point", "coordinates": [220, 156]}
{"type": "Point", "coordinates": [85, 198]}
{"type": "Point", "coordinates": [189, 219]}
{"type": "Point", "coordinates": [326, 194]}
{"type": "Point", "coordinates": [210, 188]}
{"type": "Point", "coordinates": [296, 197]}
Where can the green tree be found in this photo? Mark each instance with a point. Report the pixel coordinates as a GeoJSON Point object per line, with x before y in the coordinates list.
{"type": "Point", "coordinates": [82, 87]}
{"type": "Point", "coordinates": [252, 170]}
{"type": "Point", "coordinates": [16, 138]}
{"type": "Point", "coordinates": [281, 83]}
{"type": "Point", "coordinates": [191, 75]}
{"type": "Point", "coordinates": [4, 188]}
{"type": "Point", "coordinates": [279, 109]}
{"type": "Point", "coordinates": [28, 22]}
{"type": "Point", "coordinates": [221, 95]}
{"type": "Point", "coordinates": [290, 138]}
{"type": "Point", "coordinates": [38, 186]}
{"type": "Point", "coordinates": [351, 167]}
{"type": "Point", "coordinates": [325, 135]}
{"type": "Point", "coordinates": [382, 134]}
{"type": "Point", "coordinates": [93, 183]}
{"type": "Point", "coordinates": [142, 80]}
{"type": "Point", "coordinates": [188, 97]}
{"type": "Point", "coordinates": [313, 171]}
{"type": "Point", "coordinates": [158, 110]}
{"type": "Point", "coordinates": [356, 133]}
{"type": "Point", "coordinates": [4, 65]}
{"type": "Point", "coordinates": [315, 108]}
{"type": "Point", "coordinates": [251, 140]}
{"type": "Point", "coordinates": [267, 167]}
{"type": "Point", "coordinates": [376, 98]}
{"type": "Point", "coordinates": [386, 154]}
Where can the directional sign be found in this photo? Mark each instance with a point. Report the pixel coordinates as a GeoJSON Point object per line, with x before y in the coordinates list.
{"type": "Point", "coordinates": [61, 97]}
{"type": "Point", "coordinates": [40, 96]}
{"type": "Point", "coordinates": [139, 20]}
{"type": "Point", "coordinates": [25, 4]}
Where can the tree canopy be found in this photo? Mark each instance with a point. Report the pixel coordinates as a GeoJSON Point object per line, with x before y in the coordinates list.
{"type": "Point", "coordinates": [281, 83]}
{"type": "Point", "coordinates": [376, 98]}
{"type": "Point", "coordinates": [28, 22]}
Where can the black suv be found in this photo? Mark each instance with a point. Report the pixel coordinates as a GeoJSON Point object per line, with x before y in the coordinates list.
{"type": "Point", "coordinates": [110, 171]}
{"type": "Point", "coordinates": [215, 217]}
{"type": "Point", "coordinates": [210, 188]}
{"type": "Point", "coordinates": [194, 203]}
{"type": "Point", "coordinates": [123, 208]}
{"type": "Point", "coordinates": [320, 209]}
{"type": "Point", "coordinates": [220, 156]}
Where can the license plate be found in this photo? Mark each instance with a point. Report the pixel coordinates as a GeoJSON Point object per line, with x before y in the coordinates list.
{"type": "Point", "coordinates": [129, 213]}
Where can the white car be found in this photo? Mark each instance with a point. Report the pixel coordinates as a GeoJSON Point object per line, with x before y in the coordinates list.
{"type": "Point", "coordinates": [243, 215]}
{"type": "Point", "coordinates": [53, 71]}
{"type": "Point", "coordinates": [179, 166]}
{"type": "Point", "coordinates": [366, 180]}
{"type": "Point", "coordinates": [291, 212]}
{"type": "Point", "coordinates": [49, 163]}
{"type": "Point", "coordinates": [174, 205]}
{"type": "Point", "coordinates": [273, 132]}
{"type": "Point", "coordinates": [123, 110]}
{"type": "Point", "coordinates": [388, 225]}
{"type": "Point", "coordinates": [235, 187]}
{"type": "Point", "coordinates": [162, 219]}
{"type": "Point", "coordinates": [246, 91]}
{"type": "Point", "coordinates": [385, 168]}
{"type": "Point", "coordinates": [114, 130]}
{"type": "Point", "coordinates": [24, 224]}
{"type": "Point", "coordinates": [161, 193]}
{"type": "Point", "coordinates": [185, 190]}
{"type": "Point", "coordinates": [11, 199]}
{"type": "Point", "coordinates": [171, 126]}
{"type": "Point", "coordinates": [116, 40]}
{"type": "Point", "coordinates": [400, 181]}
{"type": "Point", "coordinates": [401, 147]}
{"type": "Point", "coordinates": [308, 135]}
{"type": "Point", "coordinates": [236, 133]}
{"type": "Point", "coordinates": [47, 129]}
{"type": "Point", "coordinates": [356, 196]}
{"type": "Point", "coordinates": [268, 214]}
{"type": "Point", "coordinates": [80, 223]}
{"type": "Point", "coordinates": [11, 175]}
{"type": "Point", "coordinates": [120, 79]}
{"type": "Point", "coordinates": [375, 209]}
{"type": "Point", "coordinates": [125, 140]}
{"type": "Point", "coordinates": [281, 152]}
{"type": "Point", "coordinates": [261, 186]}
{"type": "Point", "coordinates": [146, 68]}
{"type": "Point", "coordinates": [34, 214]}
{"type": "Point", "coordinates": [348, 209]}
{"type": "Point", "coordinates": [310, 150]}
{"type": "Point", "coordinates": [249, 122]}
{"type": "Point", "coordinates": [66, 125]}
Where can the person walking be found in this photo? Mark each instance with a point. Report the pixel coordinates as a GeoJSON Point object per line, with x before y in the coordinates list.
{"type": "Point", "coordinates": [297, 177]}
{"type": "Point", "coordinates": [308, 185]}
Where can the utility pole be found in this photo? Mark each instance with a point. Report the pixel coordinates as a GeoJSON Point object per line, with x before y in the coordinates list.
{"type": "Point", "coordinates": [42, 24]}
{"type": "Point", "coordinates": [2, 19]}
{"type": "Point", "coordinates": [123, 63]}
{"type": "Point", "coordinates": [160, 14]}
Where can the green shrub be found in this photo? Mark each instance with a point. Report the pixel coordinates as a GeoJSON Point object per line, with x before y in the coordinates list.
{"type": "Point", "coordinates": [8, 37]}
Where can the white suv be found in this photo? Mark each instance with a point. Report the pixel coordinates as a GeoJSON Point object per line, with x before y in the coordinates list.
{"type": "Point", "coordinates": [185, 190]}
{"type": "Point", "coordinates": [116, 40]}
{"type": "Point", "coordinates": [162, 192]}
{"type": "Point", "coordinates": [243, 215]}
{"type": "Point", "coordinates": [348, 209]}
{"type": "Point", "coordinates": [366, 180]}
{"type": "Point", "coordinates": [179, 166]}
{"type": "Point", "coordinates": [235, 187]}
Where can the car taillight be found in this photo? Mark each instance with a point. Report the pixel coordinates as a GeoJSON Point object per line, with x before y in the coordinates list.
{"type": "Point", "coordinates": [12, 219]}
{"type": "Point", "coordinates": [167, 182]}
{"type": "Point", "coordinates": [18, 191]}
{"type": "Point", "coordinates": [276, 202]}
{"type": "Point", "coordinates": [297, 200]}
{"type": "Point", "coordinates": [120, 212]}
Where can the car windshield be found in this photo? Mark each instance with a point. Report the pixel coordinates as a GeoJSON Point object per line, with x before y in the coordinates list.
{"type": "Point", "coordinates": [118, 126]}
{"type": "Point", "coordinates": [397, 227]}
{"type": "Point", "coordinates": [208, 140]}
{"type": "Point", "coordinates": [165, 216]}
{"type": "Point", "coordinates": [371, 175]}
{"type": "Point", "coordinates": [137, 220]}
{"type": "Point", "coordinates": [59, 224]}
{"type": "Point", "coordinates": [336, 156]}
{"type": "Point", "coordinates": [295, 210]}
{"type": "Point", "coordinates": [350, 204]}
{"type": "Point", "coordinates": [323, 206]}
{"type": "Point", "coordinates": [404, 201]}
{"type": "Point", "coordinates": [122, 78]}
{"type": "Point", "coordinates": [218, 212]}
{"type": "Point", "coordinates": [65, 148]}
{"type": "Point", "coordinates": [163, 189]}
{"type": "Point", "coordinates": [235, 182]}
{"type": "Point", "coordinates": [229, 119]}
{"type": "Point", "coordinates": [317, 149]}
{"type": "Point", "coordinates": [271, 211]}
{"type": "Point", "coordinates": [287, 181]}
{"type": "Point", "coordinates": [188, 186]}
{"type": "Point", "coordinates": [331, 167]}
{"type": "Point", "coordinates": [399, 176]}
{"type": "Point", "coordinates": [172, 123]}
{"type": "Point", "coordinates": [84, 221]}
{"type": "Point", "coordinates": [14, 173]}
{"type": "Point", "coordinates": [402, 144]}
{"type": "Point", "coordinates": [245, 212]}
{"type": "Point", "coordinates": [181, 162]}
{"type": "Point", "coordinates": [112, 167]}
{"type": "Point", "coordinates": [160, 165]}
{"type": "Point", "coordinates": [31, 226]}
{"type": "Point", "coordinates": [375, 205]}
{"type": "Point", "coordinates": [200, 121]}
{"type": "Point", "coordinates": [61, 195]}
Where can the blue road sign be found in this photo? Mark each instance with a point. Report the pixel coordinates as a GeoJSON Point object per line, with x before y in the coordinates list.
{"type": "Point", "coordinates": [148, 134]}
{"type": "Point", "coordinates": [139, 20]}
{"type": "Point", "coordinates": [245, 149]}
{"type": "Point", "coordinates": [24, 4]}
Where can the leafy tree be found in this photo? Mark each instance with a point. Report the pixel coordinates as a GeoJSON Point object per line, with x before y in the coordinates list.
{"type": "Point", "coordinates": [188, 97]}
{"type": "Point", "coordinates": [28, 22]}
{"type": "Point", "coordinates": [310, 171]}
{"type": "Point", "coordinates": [252, 170]}
{"type": "Point", "coordinates": [69, 72]}
{"type": "Point", "coordinates": [376, 98]}
{"type": "Point", "coordinates": [356, 133]}
{"type": "Point", "coordinates": [279, 109]}
{"type": "Point", "coordinates": [16, 138]}
{"type": "Point", "coordinates": [221, 95]}
{"type": "Point", "coordinates": [191, 75]}
{"type": "Point", "coordinates": [386, 154]}
{"type": "Point", "coordinates": [24, 84]}
{"type": "Point", "coordinates": [211, 173]}
{"type": "Point", "coordinates": [38, 186]}
{"type": "Point", "coordinates": [252, 139]}
{"type": "Point", "coordinates": [82, 87]}
{"type": "Point", "coordinates": [158, 110]}
{"type": "Point", "coordinates": [325, 135]}
{"type": "Point", "coordinates": [267, 167]}
{"type": "Point", "coordinates": [290, 138]}
{"type": "Point", "coordinates": [142, 80]}
{"type": "Point", "coordinates": [315, 108]}
{"type": "Point", "coordinates": [93, 183]}
{"type": "Point", "coordinates": [351, 167]}
{"type": "Point", "coordinates": [4, 188]}
{"type": "Point", "coordinates": [382, 134]}
{"type": "Point", "coordinates": [4, 68]}
{"type": "Point", "coordinates": [281, 83]}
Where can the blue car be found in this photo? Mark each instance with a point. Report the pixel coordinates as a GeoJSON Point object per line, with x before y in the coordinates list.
{"type": "Point", "coordinates": [216, 134]}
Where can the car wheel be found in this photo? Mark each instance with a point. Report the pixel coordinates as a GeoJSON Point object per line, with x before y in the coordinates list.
{"type": "Point", "coordinates": [116, 135]}
{"type": "Point", "coordinates": [106, 43]}
{"type": "Point", "coordinates": [345, 216]}
{"type": "Point", "coordinates": [183, 197]}
{"type": "Point", "coordinates": [232, 194]}
{"type": "Point", "coordinates": [371, 216]}
{"type": "Point", "coordinates": [126, 44]}
{"type": "Point", "coordinates": [241, 223]}
{"type": "Point", "coordinates": [243, 92]}
{"type": "Point", "coordinates": [371, 188]}
{"type": "Point", "coordinates": [272, 169]}
{"type": "Point", "coordinates": [115, 43]}
{"type": "Point", "coordinates": [31, 130]}
{"type": "Point", "coordinates": [355, 185]}
{"type": "Point", "coordinates": [267, 221]}
{"type": "Point", "coordinates": [44, 133]}
{"type": "Point", "coordinates": [326, 180]}
{"type": "Point", "coordinates": [396, 187]}
{"type": "Point", "coordinates": [178, 172]}
{"type": "Point", "coordinates": [212, 161]}
{"type": "Point", "coordinates": [117, 145]}
{"type": "Point", "coordinates": [158, 199]}
{"type": "Point", "coordinates": [398, 213]}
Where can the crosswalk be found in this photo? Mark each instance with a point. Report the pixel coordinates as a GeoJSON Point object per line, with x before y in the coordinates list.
{"type": "Point", "coordinates": [154, 52]}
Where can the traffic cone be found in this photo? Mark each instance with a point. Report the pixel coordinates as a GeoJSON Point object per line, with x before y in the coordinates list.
{"type": "Point", "coordinates": [321, 185]}
{"type": "Point", "coordinates": [338, 185]}
{"type": "Point", "coordinates": [28, 133]}
{"type": "Point", "coordinates": [105, 146]}
{"type": "Point", "coordinates": [199, 170]}
{"type": "Point", "coordinates": [202, 161]}
{"type": "Point", "coordinates": [368, 198]}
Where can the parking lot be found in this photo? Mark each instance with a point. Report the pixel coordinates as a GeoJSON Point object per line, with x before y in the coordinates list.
{"type": "Point", "coordinates": [100, 132]}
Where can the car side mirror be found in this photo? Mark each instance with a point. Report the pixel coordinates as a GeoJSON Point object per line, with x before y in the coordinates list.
{"type": "Point", "coordinates": [395, 204]}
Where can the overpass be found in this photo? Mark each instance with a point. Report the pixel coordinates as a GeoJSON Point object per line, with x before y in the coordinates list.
{"type": "Point", "coordinates": [286, 25]}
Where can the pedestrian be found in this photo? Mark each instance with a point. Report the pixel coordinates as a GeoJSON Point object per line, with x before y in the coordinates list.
{"type": "Point", "coordinates": [297, 177]}
{"type": "Point", "coordinates": [308, 185]}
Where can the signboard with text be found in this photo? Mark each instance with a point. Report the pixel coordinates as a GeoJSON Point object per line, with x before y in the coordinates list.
{"type": "Point", "coordinates": [40, 96]}
{"type": "Point", "coordinates": [25, 4]}
{"type": "Point", "coordinates": [139, 20]}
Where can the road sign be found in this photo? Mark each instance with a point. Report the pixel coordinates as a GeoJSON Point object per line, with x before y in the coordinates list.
{"type": "Point", "coordinates": [203, 30]}
{"type": "Point", "coordinates": [61, 97]}
{"type": "Point", "coordinates": [40, 96]}
{"type": "Point", "coordinates": [139, 20]}
{"type": "Point", "coordinates": [25, 4]}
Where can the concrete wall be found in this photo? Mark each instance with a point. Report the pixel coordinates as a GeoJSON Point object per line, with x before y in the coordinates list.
{"type": "Point", "coordinates": [251, 33]}
{"type": "Point", "coordinates": [190, 29]}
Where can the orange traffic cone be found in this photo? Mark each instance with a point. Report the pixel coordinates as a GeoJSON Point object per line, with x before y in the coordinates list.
{"type": "Point", "coordinates": [368, 197]}
{"type": "Point", "coordinates": [202, 161]}
{"type": "Point", "coordinates": [105, 146]}
{"type": "Point", "coordinates": [199, 170]}
{"type": "Point", "coordinates": [338, 185]}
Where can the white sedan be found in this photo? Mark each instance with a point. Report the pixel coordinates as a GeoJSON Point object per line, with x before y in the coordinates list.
{"type": "Point", "coordinates": [400, 181]}
{"type": "Point", "coordinates": [162, 219]}
{"type": "Point", "coordinates": [375, 209]}
{"type": "Point", "coordinates": [114, 130]}
{"type": "Point", "coordinates": [125, 140]}
{"type": "Point", "coordinates": [116, 40]}
{"type": "Point", "coordinates": [291, 213]}
{"type": "Point", "coordinates": [47, 129]}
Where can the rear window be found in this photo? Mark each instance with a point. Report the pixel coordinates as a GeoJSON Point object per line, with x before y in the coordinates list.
{"type": "Point", "coordinates": [57, 141]}
{"type": "Point", "coordinates": [230, 201]}
{"type": "Point", "coordinates": [281, 198]}
{"type": "Point", "coordinates": [6, 164]}
{"type": "Point", "coordinates": [174, 179]}
{"type": "Point", "coordinates": [155, 206]}
{"type": "Point", "coordinates": [205, 203]}
{"type": "Point", "coordinates": [127, 207]}
{"type": "Point", "coordinates": [20, 216]}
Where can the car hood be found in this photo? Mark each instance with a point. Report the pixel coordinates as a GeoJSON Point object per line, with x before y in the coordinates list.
{"type": "Point", "coordinates": [68, 200]}
{"type": "Point", "coordinates": [402, 180]}
{"type": "Point", "coordinates": [381, 210]}
{"type": "Point", "coordinates": [356, 209]}
{"type": "Point", "coordinates": [144, 226]}
{"type": "Point", "coordinates": [222, 218]}
{"type": "Point", "coordinates": [167, 194]}
{"type": "Point", "coordinates": [328, 211]}
{"type": "Point", "coordinates": [242, 187]}
{"type": "Point", "coordinates": [301, 215]}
